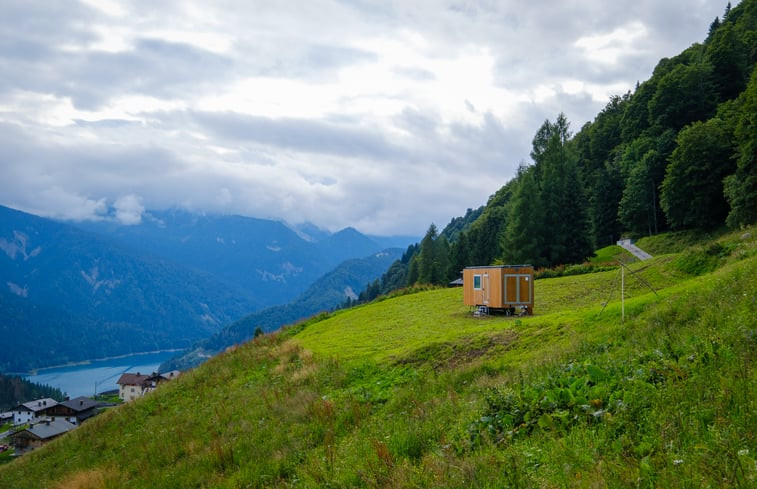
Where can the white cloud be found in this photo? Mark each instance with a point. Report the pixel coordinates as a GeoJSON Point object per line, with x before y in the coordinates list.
{"type": "Point", "coordinates": [109, 7]}
{"type": "Point", "coordinates": [129, 209]}
{"type": "Point", "coordinates": [609, 48]}
{"type": "Point", "coordinates": [384, 116]}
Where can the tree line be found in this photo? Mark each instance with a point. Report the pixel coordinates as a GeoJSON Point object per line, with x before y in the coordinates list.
{"type": "Point", "coordinates": [676, 153]}
{"type": "Point", "coordinates": [15, 390]}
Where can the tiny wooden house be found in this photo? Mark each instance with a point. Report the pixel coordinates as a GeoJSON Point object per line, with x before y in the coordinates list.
{"type": "Point", "coordinates": [506, 287]}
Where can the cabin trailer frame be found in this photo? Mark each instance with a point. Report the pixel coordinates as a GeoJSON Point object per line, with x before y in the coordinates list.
{"type": "Point", "coordinates": [504, 288]}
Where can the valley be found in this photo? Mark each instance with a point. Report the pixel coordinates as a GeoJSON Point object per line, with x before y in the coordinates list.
{"type": "Point", "coordinates": [412, 390]}
{"type": "Point", "coordinates": [101, 290]}
{"type": "Point", "coordinates": [316, 358]}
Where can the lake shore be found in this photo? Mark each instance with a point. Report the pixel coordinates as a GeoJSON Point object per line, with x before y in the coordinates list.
{"type": "Point", "coordinates": [41, 370]}
{"type": "Point", "coordinates": [100, 375]}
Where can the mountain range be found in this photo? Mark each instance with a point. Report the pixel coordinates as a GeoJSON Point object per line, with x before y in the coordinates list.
{"type": "Point", "coordinates": [325, 294]}
{"type": "Point", "coordinates": [72, 292]}
{"type": "Point", "coordinates": [272, 261]}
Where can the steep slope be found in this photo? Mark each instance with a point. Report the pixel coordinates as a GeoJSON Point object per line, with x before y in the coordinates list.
{"type": "Point", "coordinates": [412, 391]}
{"type": "Point", "coordinates": [69, 295]}
{"type": "Point", "coordinates": [324, 294]}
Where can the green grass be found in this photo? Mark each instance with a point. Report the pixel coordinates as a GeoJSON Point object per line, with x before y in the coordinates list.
{"type": "Point", "coordinates": [609, 255]}
{"type": "Point", "coordinates": [412, 391]}
{"type": "Point", "coordinates": [390, 329]}
{"type": "Point", "coordinates": [675, 242]}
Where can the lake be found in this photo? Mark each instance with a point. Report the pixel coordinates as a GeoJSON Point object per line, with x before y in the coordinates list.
{"type": "Point", "coordinates": [82, 380]}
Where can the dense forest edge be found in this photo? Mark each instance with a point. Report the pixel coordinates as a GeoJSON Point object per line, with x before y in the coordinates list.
{"type": "Point", "coordinates": [677, 153]}
{"type": "Point", "coordinates": [15, 390]}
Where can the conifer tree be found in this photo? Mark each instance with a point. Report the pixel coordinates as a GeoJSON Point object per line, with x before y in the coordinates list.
{"type": "Point", "coordinates": [523, 239]}
{"type": "Point", "coordinates": [548, 222]}
{"type": "Point", "coordinates": [459, 256]}
{"type": "Point", "coordinates": [428, 259]}
{"type": "Point", "coordinates": [729, 59]}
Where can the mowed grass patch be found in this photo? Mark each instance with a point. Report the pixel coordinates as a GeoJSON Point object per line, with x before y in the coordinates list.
{"type": "Point", "coordinates": [405, 328]}
{"type": "Point", "coordinates": [393, 328]}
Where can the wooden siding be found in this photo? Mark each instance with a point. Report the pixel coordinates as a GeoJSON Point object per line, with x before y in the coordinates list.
{"type": "Point", "coordinates": [499, 287]}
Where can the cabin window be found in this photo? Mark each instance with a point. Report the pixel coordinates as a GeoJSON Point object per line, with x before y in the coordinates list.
{"type": "Point", "coordinates": [477, 282]}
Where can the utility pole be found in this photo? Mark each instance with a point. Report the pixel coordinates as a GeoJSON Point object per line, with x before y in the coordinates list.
{"type": "Point", "coordinates": [622, 294]}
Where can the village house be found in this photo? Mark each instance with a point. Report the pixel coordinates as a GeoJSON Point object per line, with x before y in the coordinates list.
{"type": "Point", "coordinates": [132, 386]}
{"type": "Point", "coordinates": [26, 412]}
{"type": "Point", "coordinates": [156, 379]}
{"type": "Point", "coordinates": [75, 411]}
{"type": "Point", "coordinates": [6, 417]}
{"type": "Point", "coordinates": [39, 433]}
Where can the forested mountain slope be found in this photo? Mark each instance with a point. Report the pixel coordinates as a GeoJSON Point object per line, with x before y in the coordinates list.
{"type": "Point", "coordinates": [677, 153]}
{"type": "Point", "coordinates": [68, 295]}
{"type": "Point", "coordinates": [325, 294]}
{"type": "Point", "coordinates": [15, 390]}
{"type": "Point", "coordinates": [174, 279]}
{"type": "Point", "coordinates": [269, 260]}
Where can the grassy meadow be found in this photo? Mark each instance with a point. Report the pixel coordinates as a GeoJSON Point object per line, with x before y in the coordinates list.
{"type": "Point", "coordinates": [413, 391]}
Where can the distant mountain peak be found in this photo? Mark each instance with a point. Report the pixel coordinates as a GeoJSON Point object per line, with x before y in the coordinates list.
{"type": "Point", "coordinates": [349, 230]}
{"type": "Point", "coordinates": [309, 231]}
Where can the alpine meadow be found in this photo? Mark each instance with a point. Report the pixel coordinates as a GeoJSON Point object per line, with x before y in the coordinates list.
{"type": "Point", "coordinates": [628, 372]}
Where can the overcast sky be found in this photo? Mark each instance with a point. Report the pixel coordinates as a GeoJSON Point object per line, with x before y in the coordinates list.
{"type": "Point", "coordinates": [384, 115]}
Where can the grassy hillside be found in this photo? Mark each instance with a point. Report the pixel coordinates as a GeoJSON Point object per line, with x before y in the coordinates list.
{"type": "Point", "coordinates": [412, 391]}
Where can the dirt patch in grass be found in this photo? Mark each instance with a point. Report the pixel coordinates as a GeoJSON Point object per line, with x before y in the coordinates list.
{"type": "Point", "coordinates": [89, 479]}
{"type": "Point", "coordinates": [451, 354]}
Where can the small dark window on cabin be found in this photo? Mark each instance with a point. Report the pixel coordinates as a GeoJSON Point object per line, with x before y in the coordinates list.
{"type": "Point", "coordinates": [477, 282]}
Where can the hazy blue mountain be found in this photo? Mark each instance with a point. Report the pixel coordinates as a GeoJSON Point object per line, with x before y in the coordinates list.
{"type": "Point", "coordinates": [36, 335]}
{"type": "Point", "coordinates": [311, 232]}
{"type": "Point", "coordinates": [395, 241]}
{"type": "Point", "coordinates": [271, 260]}
{"type": "Point", "coordinates": [327, 293]}
{"type": "Point", "coordinates": [350, 243]}
{"type": "Point", "coordinates": [70, 295]}
{"type": "Point", "coordinates": [76, 292]}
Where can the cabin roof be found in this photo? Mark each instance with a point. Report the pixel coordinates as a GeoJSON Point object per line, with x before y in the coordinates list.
{"type": "Point", "coordinates": [132, 379]}
{"type": "Point", "coordinates": [80, 404]}
{"type": "Point", "coordinates": [156, 377]}
{"type": "Point", "coordinates": [499, 266]}
{"type": "Point", "coordinates": [50, 429]}
{"type": "Point", "coordinates": [38, 405]}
